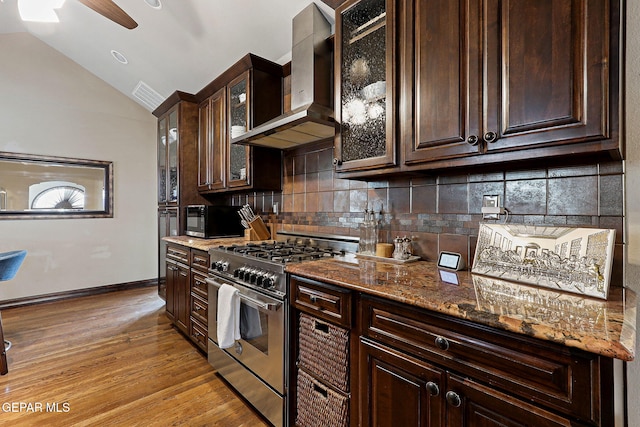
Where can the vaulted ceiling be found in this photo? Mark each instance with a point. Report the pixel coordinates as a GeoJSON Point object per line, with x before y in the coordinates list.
{"type": "Point", "coordinates": [181, 46]}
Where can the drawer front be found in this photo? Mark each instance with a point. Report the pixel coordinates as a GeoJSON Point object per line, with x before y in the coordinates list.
{"type": "Point", "coordinates": [198, 333]}
{"type": "Point", "coordinates": [178, 253]}
{"type": "Point", "coordinates": [198, 284]}
{"type": "Point", "coordinates": [199, 308]}
{"type": "Point", "coordinates": [324, 351]}
{"type": "Point", "coordinates": [535, 370]}
{"type": "Point", "coordinates": [324, 301]}
{"type": "Point", "coordinates": [199, 260]}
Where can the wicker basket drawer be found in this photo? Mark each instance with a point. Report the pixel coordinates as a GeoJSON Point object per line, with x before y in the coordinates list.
{"type": "Point", "coordinates": [319, 406]}
{"type": "Point", "coordinates": [324, 351]}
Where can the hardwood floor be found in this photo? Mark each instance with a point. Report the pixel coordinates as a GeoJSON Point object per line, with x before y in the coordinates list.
{"type": "Point", "coordinates": [110, 360]}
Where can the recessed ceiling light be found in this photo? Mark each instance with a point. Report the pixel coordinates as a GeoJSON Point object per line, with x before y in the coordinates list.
{"type": "Point", "coordinates": [119, 57]}
{"type": "Point", "coordinates": [154, 3]}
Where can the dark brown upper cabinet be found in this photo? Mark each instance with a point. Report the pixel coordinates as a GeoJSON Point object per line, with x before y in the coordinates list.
{"type": "Point", "coordinates": [177, 150]}
{"type": "Point", "coordinates": [246, 95]}
{"type": "Point", "coordinates": [488, 81]}
{"type": "Point", "coordinates": [212, 142]}
{"type": "Point", "coordinates": [365, 85]}
{"type": "Point", "coordinates": [511, 76]}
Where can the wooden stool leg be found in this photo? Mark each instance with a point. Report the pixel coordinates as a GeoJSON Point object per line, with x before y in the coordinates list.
{"type": "Point", "coordinates": [4, 366]}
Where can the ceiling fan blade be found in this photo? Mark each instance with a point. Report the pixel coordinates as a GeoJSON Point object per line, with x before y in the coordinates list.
{"type": "Point", "coordinates": [112, 11]}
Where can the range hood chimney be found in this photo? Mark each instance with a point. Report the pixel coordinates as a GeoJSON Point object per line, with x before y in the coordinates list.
{"type": "Point", "coordinates": [311, 116]}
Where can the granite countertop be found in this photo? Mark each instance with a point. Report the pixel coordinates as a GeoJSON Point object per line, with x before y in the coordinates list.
{"type": "Point", "coordinates": [597, 326]}
{"type": "Point", "coordinates": [204, 244]}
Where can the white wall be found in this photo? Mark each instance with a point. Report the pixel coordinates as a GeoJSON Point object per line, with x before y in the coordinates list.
{"type": "Point", "coordinates": [632, 198]}
{"type": "Point", "coordinates": [49, 105]}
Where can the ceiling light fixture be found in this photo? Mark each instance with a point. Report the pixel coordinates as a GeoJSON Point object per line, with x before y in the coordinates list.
{"type": "Point", "coordinates": [154, 3]}
{"type": "Point", "coordinates": [39, 10]}
{"type": "Point", "coordinates": [119, 57]}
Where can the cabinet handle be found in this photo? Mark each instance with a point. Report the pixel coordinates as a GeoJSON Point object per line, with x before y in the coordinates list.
{"type": "Point", "coordinates": [490, 137]}
{"type": "Point", "coordinates": [453, 399]}
{"type": "Point", "coordinates": [337, 162]}
{"type": "Point", "coordinates": [433, 388]}
{"type": "Point", "coordinates": [473, 140]}
{"type": "Point", "coordinates": [442, 343]}
{"type": "Point", "coordinates": [313, 299]}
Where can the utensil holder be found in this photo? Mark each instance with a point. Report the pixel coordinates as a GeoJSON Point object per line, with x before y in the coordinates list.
{"type": "Point", "coordinates": [260, 229]}
{"type": "Point", "coordinates": [250, 235]}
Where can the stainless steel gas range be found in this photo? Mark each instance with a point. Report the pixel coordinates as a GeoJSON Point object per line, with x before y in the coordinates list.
{"type": "Point", "coordinates": [255, 364]}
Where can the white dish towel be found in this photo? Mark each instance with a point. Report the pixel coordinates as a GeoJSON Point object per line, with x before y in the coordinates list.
{"type": "Point", "coordinates": [228, 316]}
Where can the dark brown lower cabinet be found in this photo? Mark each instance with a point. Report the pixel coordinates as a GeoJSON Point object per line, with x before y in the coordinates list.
{"type": "Point", "coordinates": [186, 289]}
{"type": "Point", "coordinates": [178, 294]}
{"type": "Point", "coordinates": [405, 391]}
{"type": "Point", "coordinates": [420, 368]}
{"type": "Point", "coordinates": [401, 390]}
{"type": "Point", "coordinates": [413, 367]}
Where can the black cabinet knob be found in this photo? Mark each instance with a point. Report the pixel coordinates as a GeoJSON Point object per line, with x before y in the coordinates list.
{"type": "Point", "coordinates": [473, 140]}
{"type": "Point", "coordinates": [433, 388]}
{"type": "Point", "coordinates": [453, 399]}
{"type": "Point", "coordinates": [490, 137]}
{"type": "Point", "coordinates": [337, 162]}
{"type": "Point", "coordinates": [442, 343]}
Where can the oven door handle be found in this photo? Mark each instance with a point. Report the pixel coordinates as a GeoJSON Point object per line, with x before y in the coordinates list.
{"type": "Point", "coordinates": [269, 306]}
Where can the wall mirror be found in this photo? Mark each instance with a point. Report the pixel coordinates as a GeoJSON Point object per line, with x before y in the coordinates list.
{"type": "Point", "coordinates": [47, 187]}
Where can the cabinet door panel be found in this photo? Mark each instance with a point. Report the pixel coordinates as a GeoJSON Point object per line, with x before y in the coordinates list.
{"type": "Point", "coordinates": [440, 85]}
{"type": "Point", "coordinates": [401, 391]}
{"type": "Point", "coordinates": [239, 118]}
{"type": "Point", "coordinates": [217, 179]}
{"type": "Point", "coordinates": [365, 85]}
{"type": "Point", "coordinates": [162, 160]}
{"type": "Point", "coordinates": [212, 143]}
{"type": "Point", "coordinates": [172, 159]}
{"type": "Point", "coordinates": [547, 72]}
{"type": "Point", "coordinates": [473, 405]}
{"type": "Point", "coordinates": [204, 145]}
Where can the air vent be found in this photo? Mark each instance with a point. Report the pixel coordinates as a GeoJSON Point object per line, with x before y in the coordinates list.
{"type": "Point", "coordinates": [147, 96]}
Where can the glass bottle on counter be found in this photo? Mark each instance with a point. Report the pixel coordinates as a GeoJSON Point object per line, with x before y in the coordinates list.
{"type": "Point", "coordinates": [373, 233]}
{"type": "Point", "coordinates": [362, 244]}
{"type": "Point", "coordinates": [368, 233]}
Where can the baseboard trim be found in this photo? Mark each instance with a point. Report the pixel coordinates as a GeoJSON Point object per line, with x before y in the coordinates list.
{"type": "Point", "coordinates": [59, 296]}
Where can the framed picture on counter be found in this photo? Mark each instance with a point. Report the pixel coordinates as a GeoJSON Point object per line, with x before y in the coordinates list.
{"type": "Point", "coordinates": [576, 260]}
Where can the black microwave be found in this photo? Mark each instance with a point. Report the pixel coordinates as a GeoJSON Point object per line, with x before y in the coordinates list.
{"type": "Point", "coordinates": [210, 222]}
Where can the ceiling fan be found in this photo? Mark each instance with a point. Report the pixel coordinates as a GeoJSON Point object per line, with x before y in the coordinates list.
{"type": "Point", "coordinates": [43, 11]}
{"type": "Point", "coordinates": [112, 11]}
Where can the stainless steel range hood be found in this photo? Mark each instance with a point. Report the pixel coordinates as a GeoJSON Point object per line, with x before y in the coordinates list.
{"type": "Point", "coordinates": [311, 116]}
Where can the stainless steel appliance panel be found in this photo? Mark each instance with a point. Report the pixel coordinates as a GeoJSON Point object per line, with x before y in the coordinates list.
{"type": "Point", "coordinates": [261, 352]}
{"type": "Point", "coordinates": [269, 403]}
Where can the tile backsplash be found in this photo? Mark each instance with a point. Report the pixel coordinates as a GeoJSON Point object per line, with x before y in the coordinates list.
{"type": "Point", "coordinates": [442, 212]}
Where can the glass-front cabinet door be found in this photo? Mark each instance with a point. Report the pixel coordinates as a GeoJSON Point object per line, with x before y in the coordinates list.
{"type": "Point", "coordinates": [162, 160]}
{"type": "Point", "coordinates": [365, 85]}
{"type": "Point", "coordinates": [238, 102]}
{"type": "Point", "coordinates": [172, 156]}
{"type": "Point", "coordinates": [168, 158]}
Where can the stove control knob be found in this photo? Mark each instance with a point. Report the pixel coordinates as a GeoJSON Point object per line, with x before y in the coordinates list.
{"type": "Point", "coordinates": [224, 266]}
{"type": "Point", "coordinates": [253, 277]}
{"type": "Point", "coordinates": [236, 272]}
{"type": "Point", "coordinates": [269, 281]}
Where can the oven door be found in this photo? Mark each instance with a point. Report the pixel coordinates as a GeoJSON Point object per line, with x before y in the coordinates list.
{"type": "Point", "coordinates": [262, 328]}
